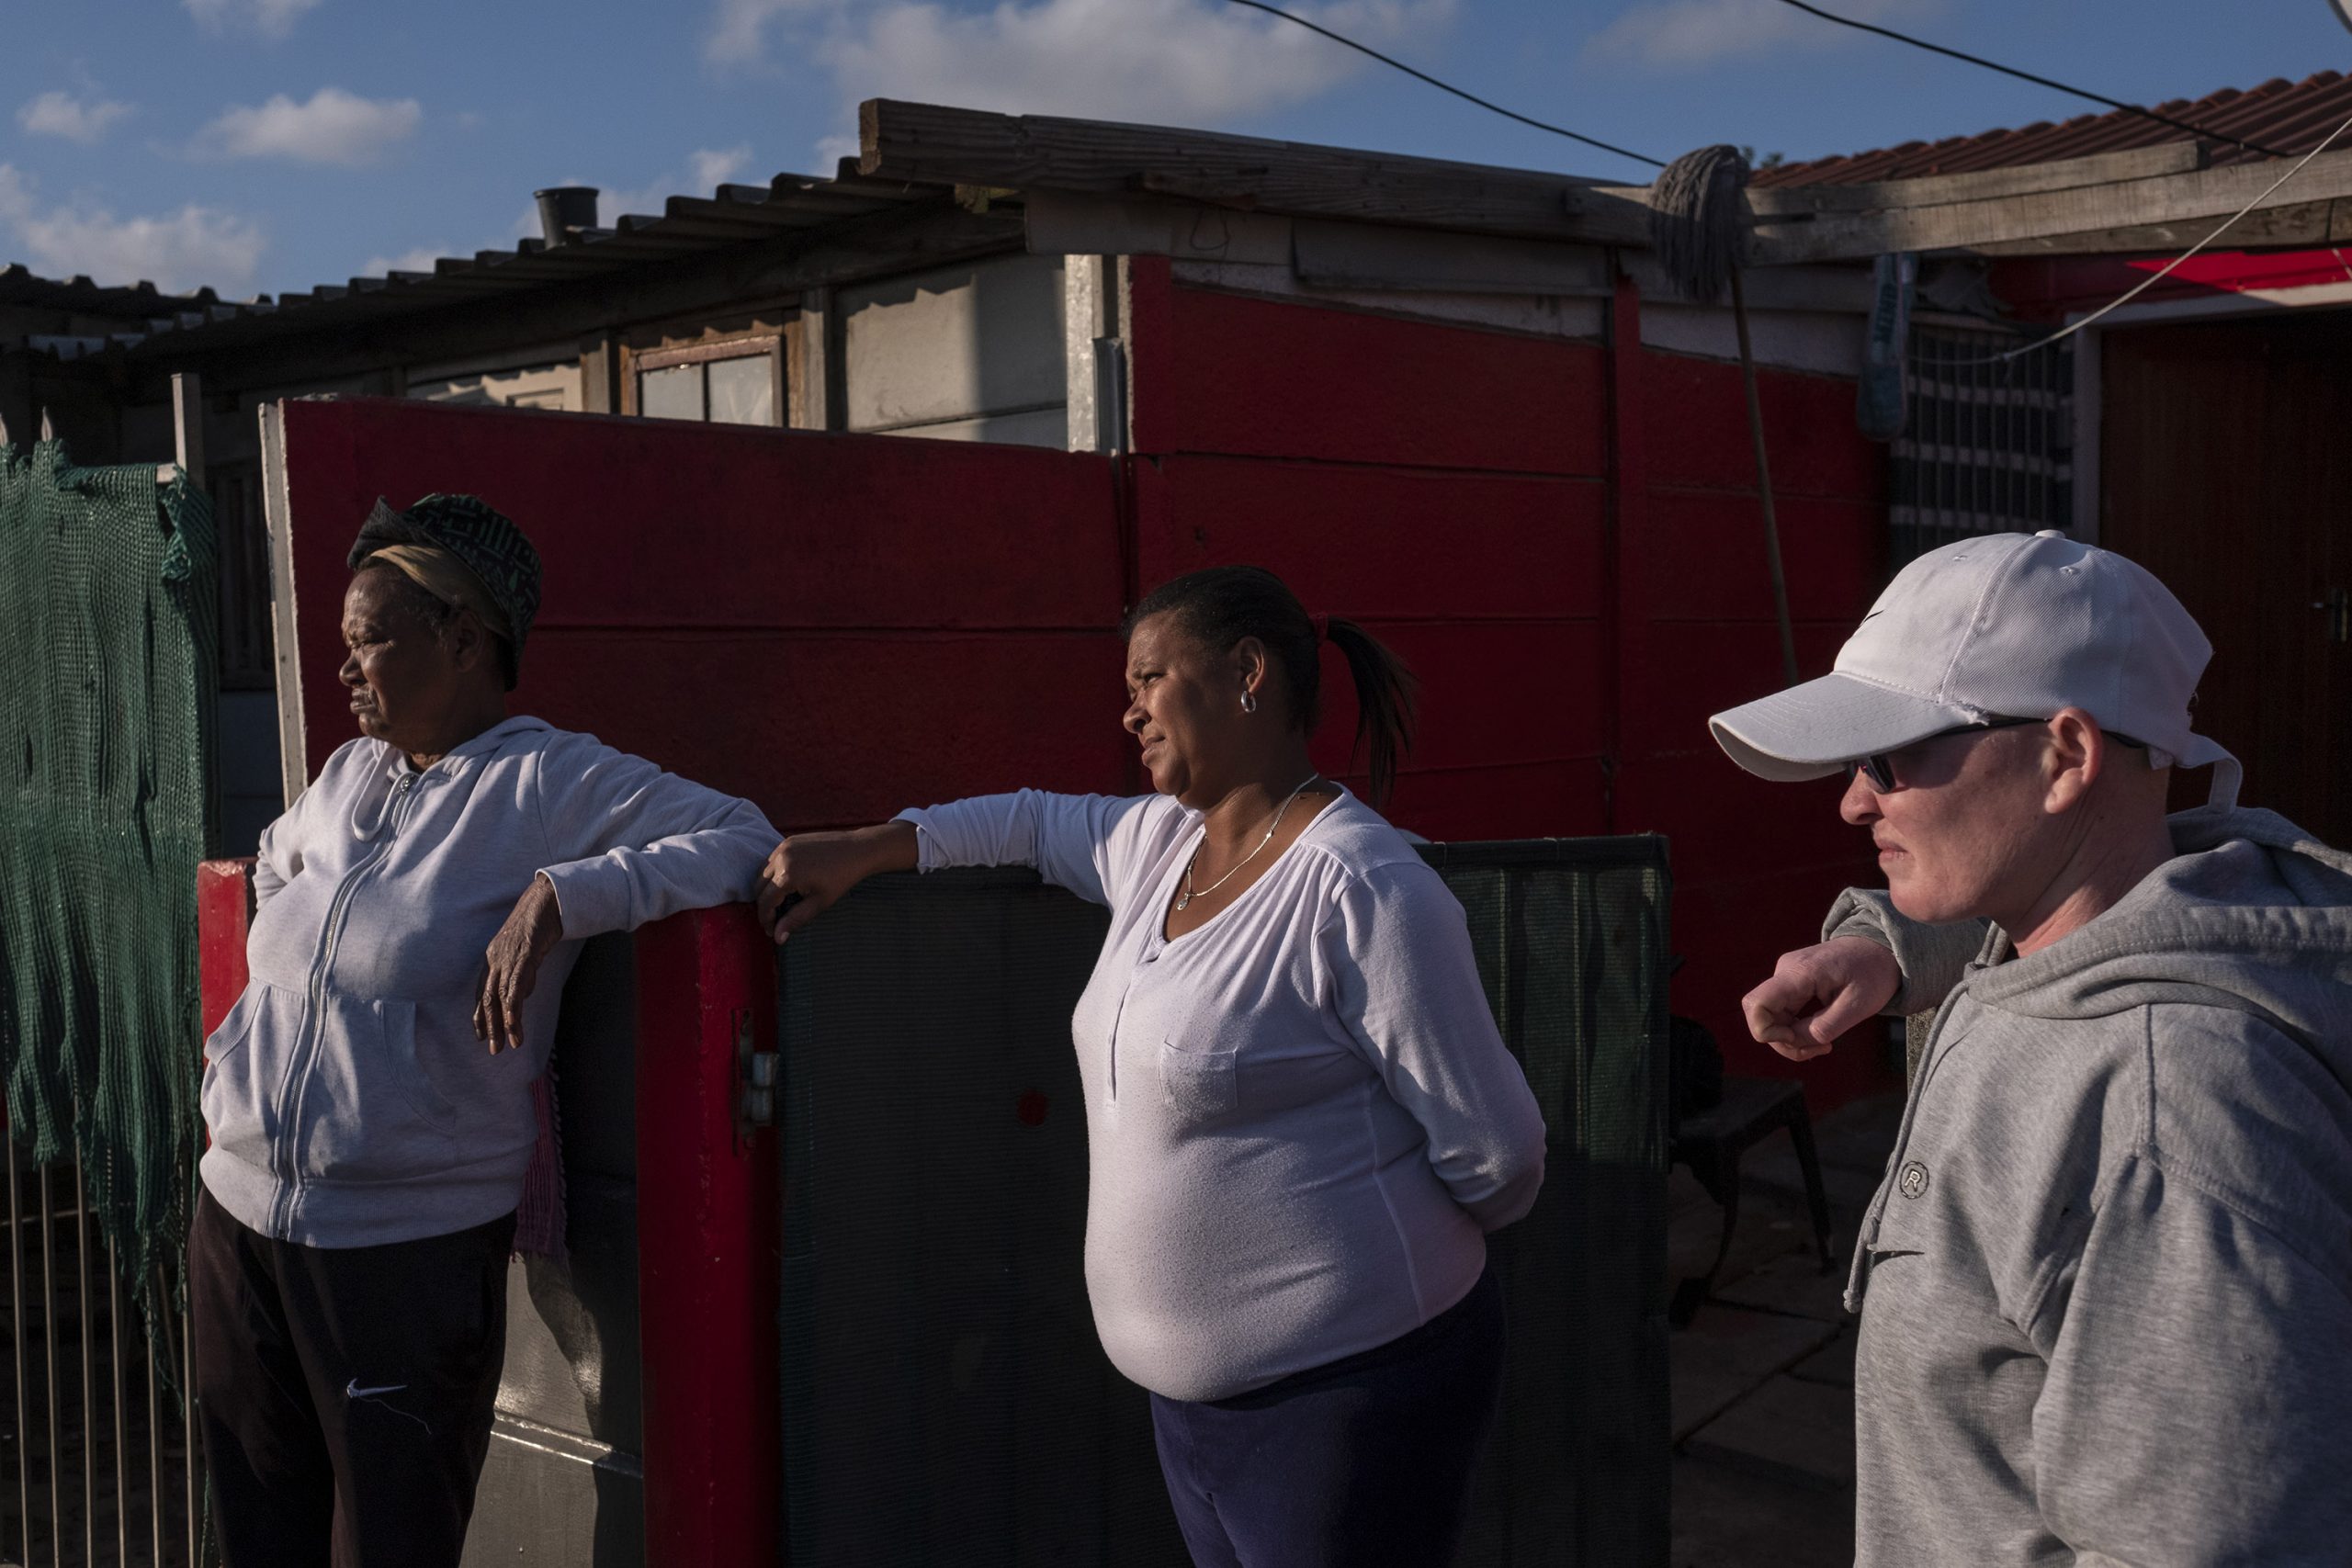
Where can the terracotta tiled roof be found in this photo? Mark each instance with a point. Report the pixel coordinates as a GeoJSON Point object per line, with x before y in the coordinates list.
{"type": "Point", "coordinates": [2286, 116]}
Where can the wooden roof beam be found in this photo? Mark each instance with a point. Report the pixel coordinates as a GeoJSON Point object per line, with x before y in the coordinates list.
{"type": "Point", "coordinates": [1786, 213]}
{"type": "Point", "coordinates": [967, 147]}
{"type": "Point", "coordinates": [2298, 224]}
{"type": "Point", "coordinates": [1982, 185]}
{"type": "Point", "coordinates": [2200, 199]}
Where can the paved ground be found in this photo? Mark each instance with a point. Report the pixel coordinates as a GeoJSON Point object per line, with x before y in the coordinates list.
{"type": "Point", "coordinates": [1764, 1373]}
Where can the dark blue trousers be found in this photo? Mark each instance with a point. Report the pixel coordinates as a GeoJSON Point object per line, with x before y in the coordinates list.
{"type": "Point", "coordinates": [1362, 1463]}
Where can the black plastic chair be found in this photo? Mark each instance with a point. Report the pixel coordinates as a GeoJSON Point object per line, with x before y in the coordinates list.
{"type": "Point", "coordinates": [1711, 1141]}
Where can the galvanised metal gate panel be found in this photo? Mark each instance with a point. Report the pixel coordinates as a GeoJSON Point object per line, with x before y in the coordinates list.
{"type": "Point", "coordinates": [945, 1398]}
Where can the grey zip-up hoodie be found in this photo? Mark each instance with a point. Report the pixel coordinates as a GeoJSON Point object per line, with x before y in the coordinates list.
{"type": "Point", "coordinates": [2106, 1287]}
{"type": "Point", "coordinates": [347, 1099]}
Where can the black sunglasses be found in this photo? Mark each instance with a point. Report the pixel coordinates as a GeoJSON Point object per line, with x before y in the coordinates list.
{"type": "Point", "coordinates": [1881, 767]}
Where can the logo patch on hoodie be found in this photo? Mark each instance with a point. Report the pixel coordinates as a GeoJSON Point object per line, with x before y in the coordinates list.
{"type": "Point", "coordinates": [1914, 1180]}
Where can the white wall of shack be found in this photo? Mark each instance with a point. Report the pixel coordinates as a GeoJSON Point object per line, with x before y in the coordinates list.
{"type": "Point", "coordinates": [968, 353]}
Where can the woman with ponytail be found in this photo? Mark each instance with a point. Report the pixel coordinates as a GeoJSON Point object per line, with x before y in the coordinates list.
{"type": "Point", "coordinates": [1301, 1119]}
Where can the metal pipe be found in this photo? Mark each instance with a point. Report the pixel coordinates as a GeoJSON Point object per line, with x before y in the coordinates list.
{"type": "Point", "coordinates": [121, 1442]}
{"type": "Point", "coordinates": [17, 1303]}
{"type": "Point", "coordinates": [49, 1358]}
{"type": "Point", "coordinates": [154, 1435]}
{"type": "Point", "coordinates": [173, 1356]}
{"type": "Point", "coordinates": [193, 1467]}
{"type": "Point", "coordinates": [89, 1428]}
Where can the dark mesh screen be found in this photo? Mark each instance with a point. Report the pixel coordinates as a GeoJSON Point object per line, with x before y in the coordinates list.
{"type": "Point", "coordinates": [945, 1398]}
{"type": "Point", "coordinates": [107, 804]}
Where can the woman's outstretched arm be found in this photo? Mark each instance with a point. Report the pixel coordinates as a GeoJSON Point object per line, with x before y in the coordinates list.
{"type": "Point", "coordinates": [1087, 843]}
{"type": "Point", "coordinates": [809, 872]}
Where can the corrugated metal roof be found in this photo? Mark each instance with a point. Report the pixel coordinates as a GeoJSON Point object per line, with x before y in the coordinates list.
{"type": "Point", "coordinates": [2286, 117]}
{"type": "Point", "coordinates": [20, 286]}
{"type": "Point", "coordinates": [687, 225]}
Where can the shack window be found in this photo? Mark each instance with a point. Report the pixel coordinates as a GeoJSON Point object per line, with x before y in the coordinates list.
{"type": "Point", "coordinates": [720, 383]}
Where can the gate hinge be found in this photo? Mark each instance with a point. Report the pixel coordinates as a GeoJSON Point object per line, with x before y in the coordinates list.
{"type": "Point", "coordinates": [755, 1077]}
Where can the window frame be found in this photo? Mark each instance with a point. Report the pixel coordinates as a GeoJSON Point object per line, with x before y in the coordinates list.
{"type": "Point", "coordinates": [770, 345]}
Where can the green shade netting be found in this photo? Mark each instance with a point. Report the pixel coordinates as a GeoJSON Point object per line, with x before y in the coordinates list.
{"type": "Point", "coordinates": [107, 687]}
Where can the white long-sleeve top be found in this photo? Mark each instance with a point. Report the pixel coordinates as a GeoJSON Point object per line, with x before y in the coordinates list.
{"type": "Point", "coordinates": [1301, 1119]}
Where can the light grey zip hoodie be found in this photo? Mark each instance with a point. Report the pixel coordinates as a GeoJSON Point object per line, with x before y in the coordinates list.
{"type": "Point", "coordinates": [2106, 1285]}
{"type": "Point", "coordinates": [348, 1100]}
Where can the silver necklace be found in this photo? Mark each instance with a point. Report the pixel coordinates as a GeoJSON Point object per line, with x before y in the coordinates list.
{"type": "Point", "coordinates": [1191, 893]}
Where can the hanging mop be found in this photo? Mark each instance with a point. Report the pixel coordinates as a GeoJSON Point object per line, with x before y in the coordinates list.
{"type": "Point", "coordinates": [1697, 227]}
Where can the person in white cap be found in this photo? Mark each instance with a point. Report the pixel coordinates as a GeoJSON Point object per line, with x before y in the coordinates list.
{"type": "Point", "coordinates": [2106, 1286]}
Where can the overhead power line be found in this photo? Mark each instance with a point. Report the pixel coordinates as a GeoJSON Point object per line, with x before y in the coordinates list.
{"type": "Point", "coordinates": [2146, 113]}
{"type": "Point", "coordinates": [2038, 80]}
{"type": "Point", "coordinates": [1448, 86]}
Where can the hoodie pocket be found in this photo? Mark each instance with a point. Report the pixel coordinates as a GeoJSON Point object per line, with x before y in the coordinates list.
{"type": "Point", "coordinates": [223, 1042]}
{"type": "Point", "coordinates": [244, 1060]}
{"type": "Point", "coordinates": [369, 1112]}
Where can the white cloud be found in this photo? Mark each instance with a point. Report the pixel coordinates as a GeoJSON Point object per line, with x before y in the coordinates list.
{"type": "Point", "coordinates": [271, 18]}
{"type": "Point", "coordinates": [15, 195]}
{"type": "Point", "coordinates": [60, 113]}
{"type": "Point", "coordinates": [334, 127]}
{"type": "Point", "coordinates": [1688, 33]}
{"type": "Point", "coordinates": [1184, 61]}
{"type": "Point", "coordinates": [708, 168]}
{"type": "Point", "coordinates": [738, 33]}
{"type": "Point", "coordinates": [420, 259]}
{"type": "Point", "coordinates": [177, 252]}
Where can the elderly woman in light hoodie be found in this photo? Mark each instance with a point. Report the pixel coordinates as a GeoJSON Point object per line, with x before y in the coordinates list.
{"type": "Point", "coordinates": [368, 1099]}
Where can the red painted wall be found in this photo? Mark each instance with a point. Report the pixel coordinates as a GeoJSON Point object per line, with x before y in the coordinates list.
{"type": "Point", "coordinates": [1563, 539]}
{"type": "Point", "coordinates": [225, 906]}
{"type": "Point", "coordinates": [834, 626]}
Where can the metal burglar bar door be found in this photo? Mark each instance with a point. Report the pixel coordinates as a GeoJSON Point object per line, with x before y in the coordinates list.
{"type": "Point", "coordinates": [1987, 446]}
{"type": "Point", "coordinates": [97, 1465]}
{"type": "Point", "coordinates": [945, 1398]}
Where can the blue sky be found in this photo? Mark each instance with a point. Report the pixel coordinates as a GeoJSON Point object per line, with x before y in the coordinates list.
{"type": "Point", "coordinates": [260, 145]}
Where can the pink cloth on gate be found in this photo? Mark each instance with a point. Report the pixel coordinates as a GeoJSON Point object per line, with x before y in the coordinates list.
{"type": "Point", "coordinates": [539, 1220]}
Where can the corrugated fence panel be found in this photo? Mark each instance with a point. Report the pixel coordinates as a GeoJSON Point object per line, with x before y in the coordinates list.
{"type": "Point", "coordinates": [1263, 377]}
{"type": "Point", "coordinates": [828, 624]}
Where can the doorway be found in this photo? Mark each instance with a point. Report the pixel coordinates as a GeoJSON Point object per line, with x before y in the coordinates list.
{"type": "Point", "coordinates": [2224, 470]}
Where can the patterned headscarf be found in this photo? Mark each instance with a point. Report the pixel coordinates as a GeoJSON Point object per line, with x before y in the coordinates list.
{"type": "Point", "coordinates": [489, 543]}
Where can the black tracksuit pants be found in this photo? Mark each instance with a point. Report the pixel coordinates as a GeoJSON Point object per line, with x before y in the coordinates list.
{"type": "Point", "coordinates": [344, 1394]}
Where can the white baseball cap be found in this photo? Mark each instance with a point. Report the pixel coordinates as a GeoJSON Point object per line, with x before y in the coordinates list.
{"type": "Point", "coordinates": [2015, 625]}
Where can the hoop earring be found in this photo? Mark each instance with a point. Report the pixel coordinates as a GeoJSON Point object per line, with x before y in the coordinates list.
{"type": "Point", "coordinates": [1248, 701]}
